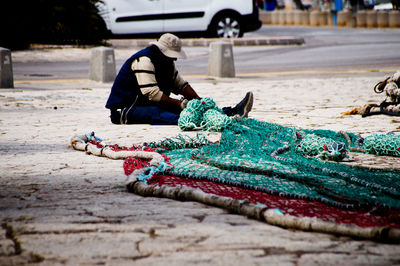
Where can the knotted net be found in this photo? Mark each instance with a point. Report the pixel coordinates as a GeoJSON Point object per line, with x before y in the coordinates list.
{"type": "Point", "coordinates": [266, 170]}
{"type": "Point", "coordinates": [273, 159]}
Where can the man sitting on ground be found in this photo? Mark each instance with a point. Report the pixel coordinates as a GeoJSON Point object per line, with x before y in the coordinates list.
{"type": "Point", "coordinates": [141, 91]}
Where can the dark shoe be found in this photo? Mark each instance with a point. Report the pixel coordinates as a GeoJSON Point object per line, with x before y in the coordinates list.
{"type": "Point", "coordinates": [115, 117]}
{"type": "Point", "coordinates": [244, 107]}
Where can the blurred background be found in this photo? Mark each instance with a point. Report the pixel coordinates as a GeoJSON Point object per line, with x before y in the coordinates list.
{"type": "Point", "coordinates": [77, 22]}
{"type": "Point", "coordinates": [50, 21]}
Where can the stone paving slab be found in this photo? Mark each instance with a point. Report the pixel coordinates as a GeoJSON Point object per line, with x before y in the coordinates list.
{"type": "Point", "coordinates": [61, 206]}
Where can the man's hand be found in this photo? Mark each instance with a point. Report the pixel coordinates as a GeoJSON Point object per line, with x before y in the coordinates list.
{"type": "Point", "coordinates": [175, 105]}
{"type": "Point", "coordinates": [184, 103]}
{"type": "Point", "coordinates": [171, 104]}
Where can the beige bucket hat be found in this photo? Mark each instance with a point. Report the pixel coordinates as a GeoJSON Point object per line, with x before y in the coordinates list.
{"type": "Point", "coordinates": [170, 45]}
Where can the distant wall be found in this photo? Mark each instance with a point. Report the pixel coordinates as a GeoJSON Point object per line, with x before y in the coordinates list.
{"type": "Point", "coordinates": [344, 18]}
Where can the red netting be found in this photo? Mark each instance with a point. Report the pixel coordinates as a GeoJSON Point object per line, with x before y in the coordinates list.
{"type": "Point", "coordinates": [296, 207]}
{"type": "Point", "coordinates": [131, 164]}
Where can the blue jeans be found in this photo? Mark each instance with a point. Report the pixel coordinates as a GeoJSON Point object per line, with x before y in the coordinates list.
{"type": "Point", "coordinates": [150, 114]}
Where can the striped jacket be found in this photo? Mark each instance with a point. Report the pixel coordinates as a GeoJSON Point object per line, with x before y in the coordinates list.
{"type": "Point", "coordinates": [142, 80]}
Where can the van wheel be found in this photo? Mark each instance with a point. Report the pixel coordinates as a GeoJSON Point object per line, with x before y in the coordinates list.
{"type": "Point", "coordinates": [226, 25]}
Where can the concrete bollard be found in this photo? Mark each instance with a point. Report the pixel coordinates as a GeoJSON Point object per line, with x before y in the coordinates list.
{"type": "Point", "coordinates": [6, 69]}
{"type": "Point", "coordinates": [323, 18]}
{"type": "Point", "coordinates": [314, 18]}
{"type": "Point", "coordinates": [351, 21]}
{"type": "Point", "coordinates": [382, 19]}
{"type": "Point", "coordinates": [282, 17]}
{"type": "Point", "coordinates": [290, 17]}
{"type": "Point", "coordinates": [371, 19]}
{"type": "Point", "coordinates": [348, 20]}
{"type": "Point", "coordinates": [330, 19]}
{"type": "Point", "coordinates": [220, 60]}
{"type": "Point", "coordinates": [343, 17]}
{"type": "Point", "coordinates": [102, 64]}
{"type": "Point", "coordinates": [297, 17]}
{"type": "Point", "coordinates": [275, 17]}
{"type": "Point", "coordinates": [305, 18]}
{"type": "Point", "coordinates": [361, 18]}
{"type": "Point", "coordinates": [394, 19]}
{"type": "Point", "coordinates": [265, 17]}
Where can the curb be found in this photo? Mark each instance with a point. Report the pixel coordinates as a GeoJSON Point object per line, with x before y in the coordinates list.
{"type": "Point", "coordinates": [205, 42]}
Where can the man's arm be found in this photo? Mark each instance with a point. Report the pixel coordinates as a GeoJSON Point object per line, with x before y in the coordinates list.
{"type": "Point", "coordinates": [171, 104]}
{"type": "Point", "coordinates": [189, 93]}
{"type": "Point", "coordinates": [178, 105]}
{"type": "Point", "coordinates": [183, 87]}
{"type": "Point", "coordinates": [145, 74]}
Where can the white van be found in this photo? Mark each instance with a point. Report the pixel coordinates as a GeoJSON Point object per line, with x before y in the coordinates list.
{"type": "Point", "coordinates": [216, 18]}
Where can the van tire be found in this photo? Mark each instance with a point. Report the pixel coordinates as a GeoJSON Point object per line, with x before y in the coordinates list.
{"type": "Point", "coordinates": [226, 25]}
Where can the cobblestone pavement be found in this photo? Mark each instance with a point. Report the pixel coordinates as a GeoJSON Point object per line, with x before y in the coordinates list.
{"type": "Point", "coordinates": [60, 206]}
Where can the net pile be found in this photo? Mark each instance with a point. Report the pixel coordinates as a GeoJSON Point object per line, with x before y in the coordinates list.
{"type": "Point", "coordinates": [204, 114]}
{"type": "Point", "coordinates": [364, 217]}
{"type": "Point", "coordinates": [382, 144]}
{"type": "Point", "coordinates": [270, 158]}
{"type": "Point", "coordinates": [296, 172]}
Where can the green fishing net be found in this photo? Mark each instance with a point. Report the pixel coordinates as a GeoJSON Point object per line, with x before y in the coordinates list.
{"type": "Point", "coordinates": [283, 160]}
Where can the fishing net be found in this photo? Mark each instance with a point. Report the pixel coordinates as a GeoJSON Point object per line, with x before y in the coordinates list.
{"type": "Point", "coordinates": [296, 172]}
{"type": "Point", "coordinates": [364, 217]}
{"type": "Point", "coordinates": [284, 161]}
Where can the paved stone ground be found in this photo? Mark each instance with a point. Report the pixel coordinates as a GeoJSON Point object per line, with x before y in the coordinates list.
{"type": "Point", "coordinates": [61, 206]}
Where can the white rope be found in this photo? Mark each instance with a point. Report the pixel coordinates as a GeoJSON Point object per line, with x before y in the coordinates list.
{"type": "Point", "coordinates": [263, 213]}
{"type": "Point", "coordinates": [80, 142]}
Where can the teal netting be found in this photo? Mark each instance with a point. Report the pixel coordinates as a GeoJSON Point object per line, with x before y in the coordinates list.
{"type": "Point", "coordinates": [284, 161]}
{"type": "Point", "coordinates": [382, 144]}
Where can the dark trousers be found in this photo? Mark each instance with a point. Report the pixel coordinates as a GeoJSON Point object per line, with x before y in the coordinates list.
{"type": "Point", "coordinates": [150, 114]}
{"type": "Point", "coordinates": [153, 115]}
